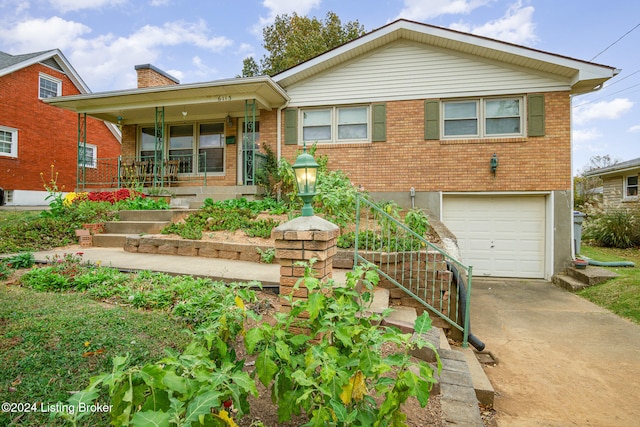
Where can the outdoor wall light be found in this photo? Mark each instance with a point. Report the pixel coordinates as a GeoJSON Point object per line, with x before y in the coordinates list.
{"type": "Point", "coordinates": [305, 169]}
{"type": "Point", "coordinates": [229, 121]}
{"type": "Point", "coordinates": [494, 163]}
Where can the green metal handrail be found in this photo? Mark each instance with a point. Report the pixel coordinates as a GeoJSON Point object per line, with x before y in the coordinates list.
{"type": "Point", "coordinates": [412, 263]}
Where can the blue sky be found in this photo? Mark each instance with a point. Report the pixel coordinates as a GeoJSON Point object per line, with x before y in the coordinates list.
{"type": "Point", "coordinates": [202, 40]}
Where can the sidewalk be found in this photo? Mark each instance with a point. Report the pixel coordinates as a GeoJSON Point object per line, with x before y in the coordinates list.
{"type": "Point", "coordinates": [214, 268]}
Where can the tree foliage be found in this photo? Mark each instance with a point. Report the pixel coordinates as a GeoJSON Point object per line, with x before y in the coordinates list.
{"type": "Point", "coordinates": [585, 187]}
{"type": "Point", "coordinates": [293, 39]}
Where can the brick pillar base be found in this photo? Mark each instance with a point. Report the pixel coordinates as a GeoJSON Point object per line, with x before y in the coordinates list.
{"type": "Point", "coordinates": [303, 239]}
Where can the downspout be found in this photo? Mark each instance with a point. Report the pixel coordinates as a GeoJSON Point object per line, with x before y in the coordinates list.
{"type": "Point", "coordinates": [279, 131]}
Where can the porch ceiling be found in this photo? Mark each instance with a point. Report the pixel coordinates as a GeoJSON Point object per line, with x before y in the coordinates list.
{"type": "Point", "coordinates": [199, 100]}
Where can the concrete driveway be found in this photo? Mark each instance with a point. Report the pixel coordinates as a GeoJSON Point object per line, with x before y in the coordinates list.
{"type": "Point", "coordinates": [562, 361]}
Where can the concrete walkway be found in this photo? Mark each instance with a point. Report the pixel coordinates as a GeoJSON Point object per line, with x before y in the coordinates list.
{"type": "Point", "coordinates": [562, 361]}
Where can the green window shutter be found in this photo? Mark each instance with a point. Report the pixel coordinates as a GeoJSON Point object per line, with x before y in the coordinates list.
{"type": "Point", "coordinates": [431, 119]}
{"type": "Point", "coordinates": [536, 115]}
{"type": "Point", "coordinates": [291, 126]}
{"type": "Point", "coordinates": [379, 123]}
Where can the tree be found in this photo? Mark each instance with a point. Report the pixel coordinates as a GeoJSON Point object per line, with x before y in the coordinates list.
{"type": "Point", "coordinates": [250, 67]}
{"type": "Point", "coordinates": [585, 187]}
{"type": "Point", "coordinates": [293, 39]}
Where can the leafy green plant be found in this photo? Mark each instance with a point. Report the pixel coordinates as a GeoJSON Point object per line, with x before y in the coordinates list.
{"type": "Point", "coordinates": [198, 386]}
{"type": "Point", "coordinates": [5, 271]}
{"type": "Point", "coordinates": [417, 221]}
{"type": "Point", "coordinates": [616, 229]}
{"type": "Point", "coordinates": [268, 255]}
{"type": "Point", "coordinates": [336, 371]}
{"type": "Point", "coordinates": [24, 260]}
{"type": "Point", "coordinates": [143, 203]}
{"type": "Point", "coordinates": [336, 198]}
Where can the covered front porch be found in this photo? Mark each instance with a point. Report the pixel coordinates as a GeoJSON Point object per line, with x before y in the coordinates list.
{"type": "Point", "coordinates": [180, 136]}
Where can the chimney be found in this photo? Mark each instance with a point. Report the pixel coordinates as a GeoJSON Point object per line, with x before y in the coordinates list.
{"type": "Point", "coordinates": [149, 76]}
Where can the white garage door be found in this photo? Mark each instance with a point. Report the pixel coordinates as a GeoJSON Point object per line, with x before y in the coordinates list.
{"type": "Point", "coordinates": [502, 236]}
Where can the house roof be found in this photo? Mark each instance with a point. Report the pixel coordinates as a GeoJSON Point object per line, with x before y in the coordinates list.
{"type": "Point", "coordinates": [584, 76]}
{"type": "Point", "coordinates": [12, 63]}
{"type": "Point", "coordinates": [618, 168]}
{"type": "Point", "coordinates": [198, 100]}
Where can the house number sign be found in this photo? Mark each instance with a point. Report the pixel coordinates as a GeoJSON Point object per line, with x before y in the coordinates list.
{"type": "Point", "coordinates": [223, 98]}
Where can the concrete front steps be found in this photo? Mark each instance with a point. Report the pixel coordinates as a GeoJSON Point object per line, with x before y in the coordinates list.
{"type": "Point", "coordinates": [462, 384]}
{"type": "Point", "coordinates": [136, 223]}
{"type": "Point", "coordinates": [575, 279]}
{"type": "Point", "coordinates": [192, 197]}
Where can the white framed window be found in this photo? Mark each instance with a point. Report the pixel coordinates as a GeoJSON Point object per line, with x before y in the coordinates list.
{"type": "Point", "coordinates": [87, 155]}
{"type": "Point", "coordinates": [631, 186]}
{"type": "Point", "coordinates": [484, 117]}
{"type": "Point", "coordinates": [198, 147]}
{"type": "Point", "coordinates": [8, 142]}
{"type": "Point", "coordinates": [336, 124]}
{"type": "Point", "coordinates": [49, 87]}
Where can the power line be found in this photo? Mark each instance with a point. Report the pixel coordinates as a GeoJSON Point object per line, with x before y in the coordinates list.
{"type": "Point", "coordinates": [606, 96]}
{"type": "Point", "coordinates": [607, 48]}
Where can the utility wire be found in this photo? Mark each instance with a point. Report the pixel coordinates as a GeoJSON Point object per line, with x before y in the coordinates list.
{"type": "Point", "coordinates": [607, 48]}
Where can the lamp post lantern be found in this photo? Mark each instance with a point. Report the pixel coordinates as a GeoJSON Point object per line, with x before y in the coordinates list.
{"type": "Point", "coordinates": [306, 169]}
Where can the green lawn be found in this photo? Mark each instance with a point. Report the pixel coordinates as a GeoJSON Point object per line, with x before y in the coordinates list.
{"type": "Point", "coordinates": [622, 294]}
{"type": "Point", "coordinates": [51, 344]}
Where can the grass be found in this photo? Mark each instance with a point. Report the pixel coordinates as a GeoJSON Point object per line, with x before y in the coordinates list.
{"type": "Point", "coordinates": [622, 294]}
{"type": "Point", "coordinates": [51, 344]}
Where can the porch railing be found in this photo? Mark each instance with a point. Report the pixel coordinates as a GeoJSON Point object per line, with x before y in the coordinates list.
{"type": "Point", "coordinates": [144, 171]}
{"type": "Point", "coordinates": [410, 262]}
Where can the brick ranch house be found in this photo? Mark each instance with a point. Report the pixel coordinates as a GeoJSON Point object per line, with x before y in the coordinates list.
{"type": "Point", "coordinates": [35, 135]}
{"type": "Point", "coordinates": [619, 184]}
{"type": "Point", "coordinates": [408, 108]}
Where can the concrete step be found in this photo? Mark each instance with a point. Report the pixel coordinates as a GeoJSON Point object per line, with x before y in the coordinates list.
{"type": "Point", "coordinates": [135, 227]}
{"type": "Point", "coordinates": [109, 240]}
{"type": "Point", "coordinates": [403, 318]}
{"type": "Point", "coordinates": [481, 384]}
{"type": "Point", "coordinates": [569, 283]}
{"type": "Point", "coordinates": [155, 215]}
{"type": "Point", "coordinates": [591, 275]}
{"type": "Point", "coordinates": [380, 300]}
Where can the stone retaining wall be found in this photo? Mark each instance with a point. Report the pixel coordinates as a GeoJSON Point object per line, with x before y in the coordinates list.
{"type": "Point", "coordinates": [222, 250]}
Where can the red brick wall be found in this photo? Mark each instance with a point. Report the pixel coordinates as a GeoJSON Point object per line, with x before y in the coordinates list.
{"type": "Point", "coordinates": [407, 160]}
{"type": "Point", "coordinates": [47, 135]}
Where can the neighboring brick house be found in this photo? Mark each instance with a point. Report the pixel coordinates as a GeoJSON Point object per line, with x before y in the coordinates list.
{"type": "Point", "coordinates": [35, 135]}
{"type": "Point", "coordinates": [406, 109]}
{"type": "Point", "coordinates": [620, 184]}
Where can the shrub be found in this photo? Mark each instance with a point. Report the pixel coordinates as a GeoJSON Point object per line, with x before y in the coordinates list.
{"type": "Point", "coordinates": [336, 372]}
{"type": "Point", "coordinates": [618, 228]}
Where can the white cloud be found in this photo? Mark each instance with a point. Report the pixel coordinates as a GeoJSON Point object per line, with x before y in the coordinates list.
{"type": "Point", "coordinates": [73, 5]}
{"type": "Point", "coordinates": [421, 10]}
{"type": "Point", "coordinates": [607, 110]}
{"type": "Point", "coordinates": [107, 61]}
{"type": "Point", "coordinates": [281, 7]}
{"type": "Point", "coordinates": [516, 26]}
{"type": "Point", "coordinates": [202, 70]}
{"type": "Point", "coordinates": [43, 34]}
{"type": "Point", "coordinates": [634, 129]}
{"type": "Point", "coordinates": [581, 135]}
{"type": "Point", "coordinates": [159, 2]}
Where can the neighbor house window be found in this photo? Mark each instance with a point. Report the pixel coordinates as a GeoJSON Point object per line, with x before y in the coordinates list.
{"type": "Point", "coordinates": [8, 142]}
{"type": "Point", "coordinates": [482, 118]}
{"type": "Point", "coordinates": [631, 186]}
{"type": "Point", "coordinates": [336, 124]}
{"type": "Point", "coordinates": [49, 87]}
{"type": "Point", "coordinates": [87, 155]}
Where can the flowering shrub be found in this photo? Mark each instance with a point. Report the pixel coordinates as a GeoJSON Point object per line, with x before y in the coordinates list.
{"type": "Point", "coordinates": [71, 197]}
{"type": "Point", "coordinates": [113, 196]}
